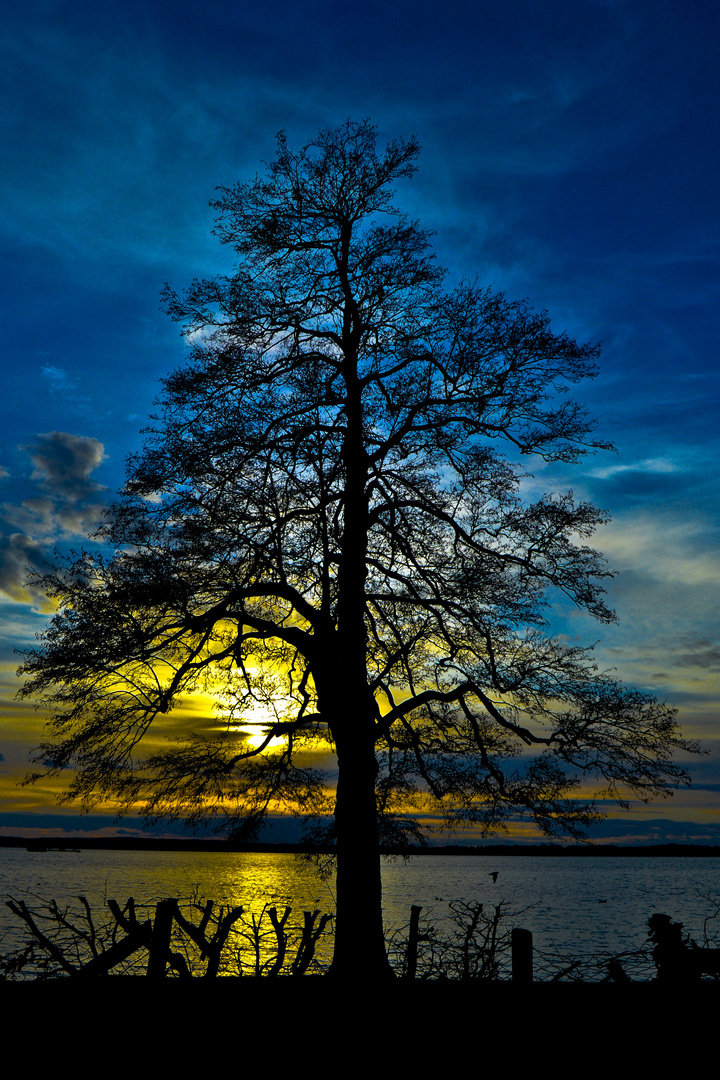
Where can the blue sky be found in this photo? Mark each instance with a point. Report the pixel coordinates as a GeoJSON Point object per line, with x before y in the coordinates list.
{"type": "Point", "coordinates": [570, 155]}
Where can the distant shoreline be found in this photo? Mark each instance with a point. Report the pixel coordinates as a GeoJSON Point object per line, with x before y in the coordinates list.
{"type": "Point", "coordinates": [38, 844]}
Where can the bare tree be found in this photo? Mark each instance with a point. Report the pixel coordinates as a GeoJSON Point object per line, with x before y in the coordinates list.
{"type": "Point", "coordinates": [323, 531]}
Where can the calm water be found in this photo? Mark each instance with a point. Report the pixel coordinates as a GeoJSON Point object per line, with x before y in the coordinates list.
{"type": "Point", "coordinates": [576, 906]}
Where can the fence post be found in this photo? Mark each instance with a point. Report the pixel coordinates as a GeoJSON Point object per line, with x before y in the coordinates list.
{"type": "Point", "coordinates": [522, 956]}
{"type": "Point", "coordinates": [412, 945]}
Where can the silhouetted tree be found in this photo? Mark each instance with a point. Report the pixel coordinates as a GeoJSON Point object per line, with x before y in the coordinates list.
{"type": "Point", "coordinates": [323, 532]}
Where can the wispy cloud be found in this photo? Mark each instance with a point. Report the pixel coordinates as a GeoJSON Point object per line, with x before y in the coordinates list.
{"type": "Point", "coordinates": [649, 465]}
{"type": "Point", "coordinates": [661, 547]}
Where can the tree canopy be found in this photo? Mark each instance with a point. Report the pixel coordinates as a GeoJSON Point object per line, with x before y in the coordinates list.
{"type": "Point", "coordinates": [327, 531]}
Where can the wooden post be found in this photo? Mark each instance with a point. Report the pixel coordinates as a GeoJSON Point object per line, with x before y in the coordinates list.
{"type": "Point", "coordinates": [522, 956]}
{"type": "Point", "coordinates": [413, 937]}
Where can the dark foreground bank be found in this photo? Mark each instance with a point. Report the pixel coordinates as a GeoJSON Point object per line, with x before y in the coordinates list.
{"type": "Point", "coordinates": [312, 1027]}
{"type": "Point", "coordinates": [77, 1001]}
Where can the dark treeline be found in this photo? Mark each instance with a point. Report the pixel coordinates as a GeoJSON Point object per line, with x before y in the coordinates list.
{"type": "Point", "coordinates": [122, 843]}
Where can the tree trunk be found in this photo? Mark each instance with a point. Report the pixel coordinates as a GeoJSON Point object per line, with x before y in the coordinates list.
{"type": "Point", "coordinates": [359, 936]}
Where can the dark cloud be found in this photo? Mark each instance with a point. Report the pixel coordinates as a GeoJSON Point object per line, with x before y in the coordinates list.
{"type": "Point", "coordinates": [63, 464]}
{"type": "Point", "coordinates": [698, 653]}
{"type": "Point", "coordinates": [18, 555]}
{"type": "Point", "coordinates": [655, 831]}
{"type": "Point", "coordinates": [46, 518]}
{"type": "Point", "coordinates": [637, 485]}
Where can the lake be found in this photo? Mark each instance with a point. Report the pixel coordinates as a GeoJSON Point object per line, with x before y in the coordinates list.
{"type": "Point", "coordinates": [576, 907]}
